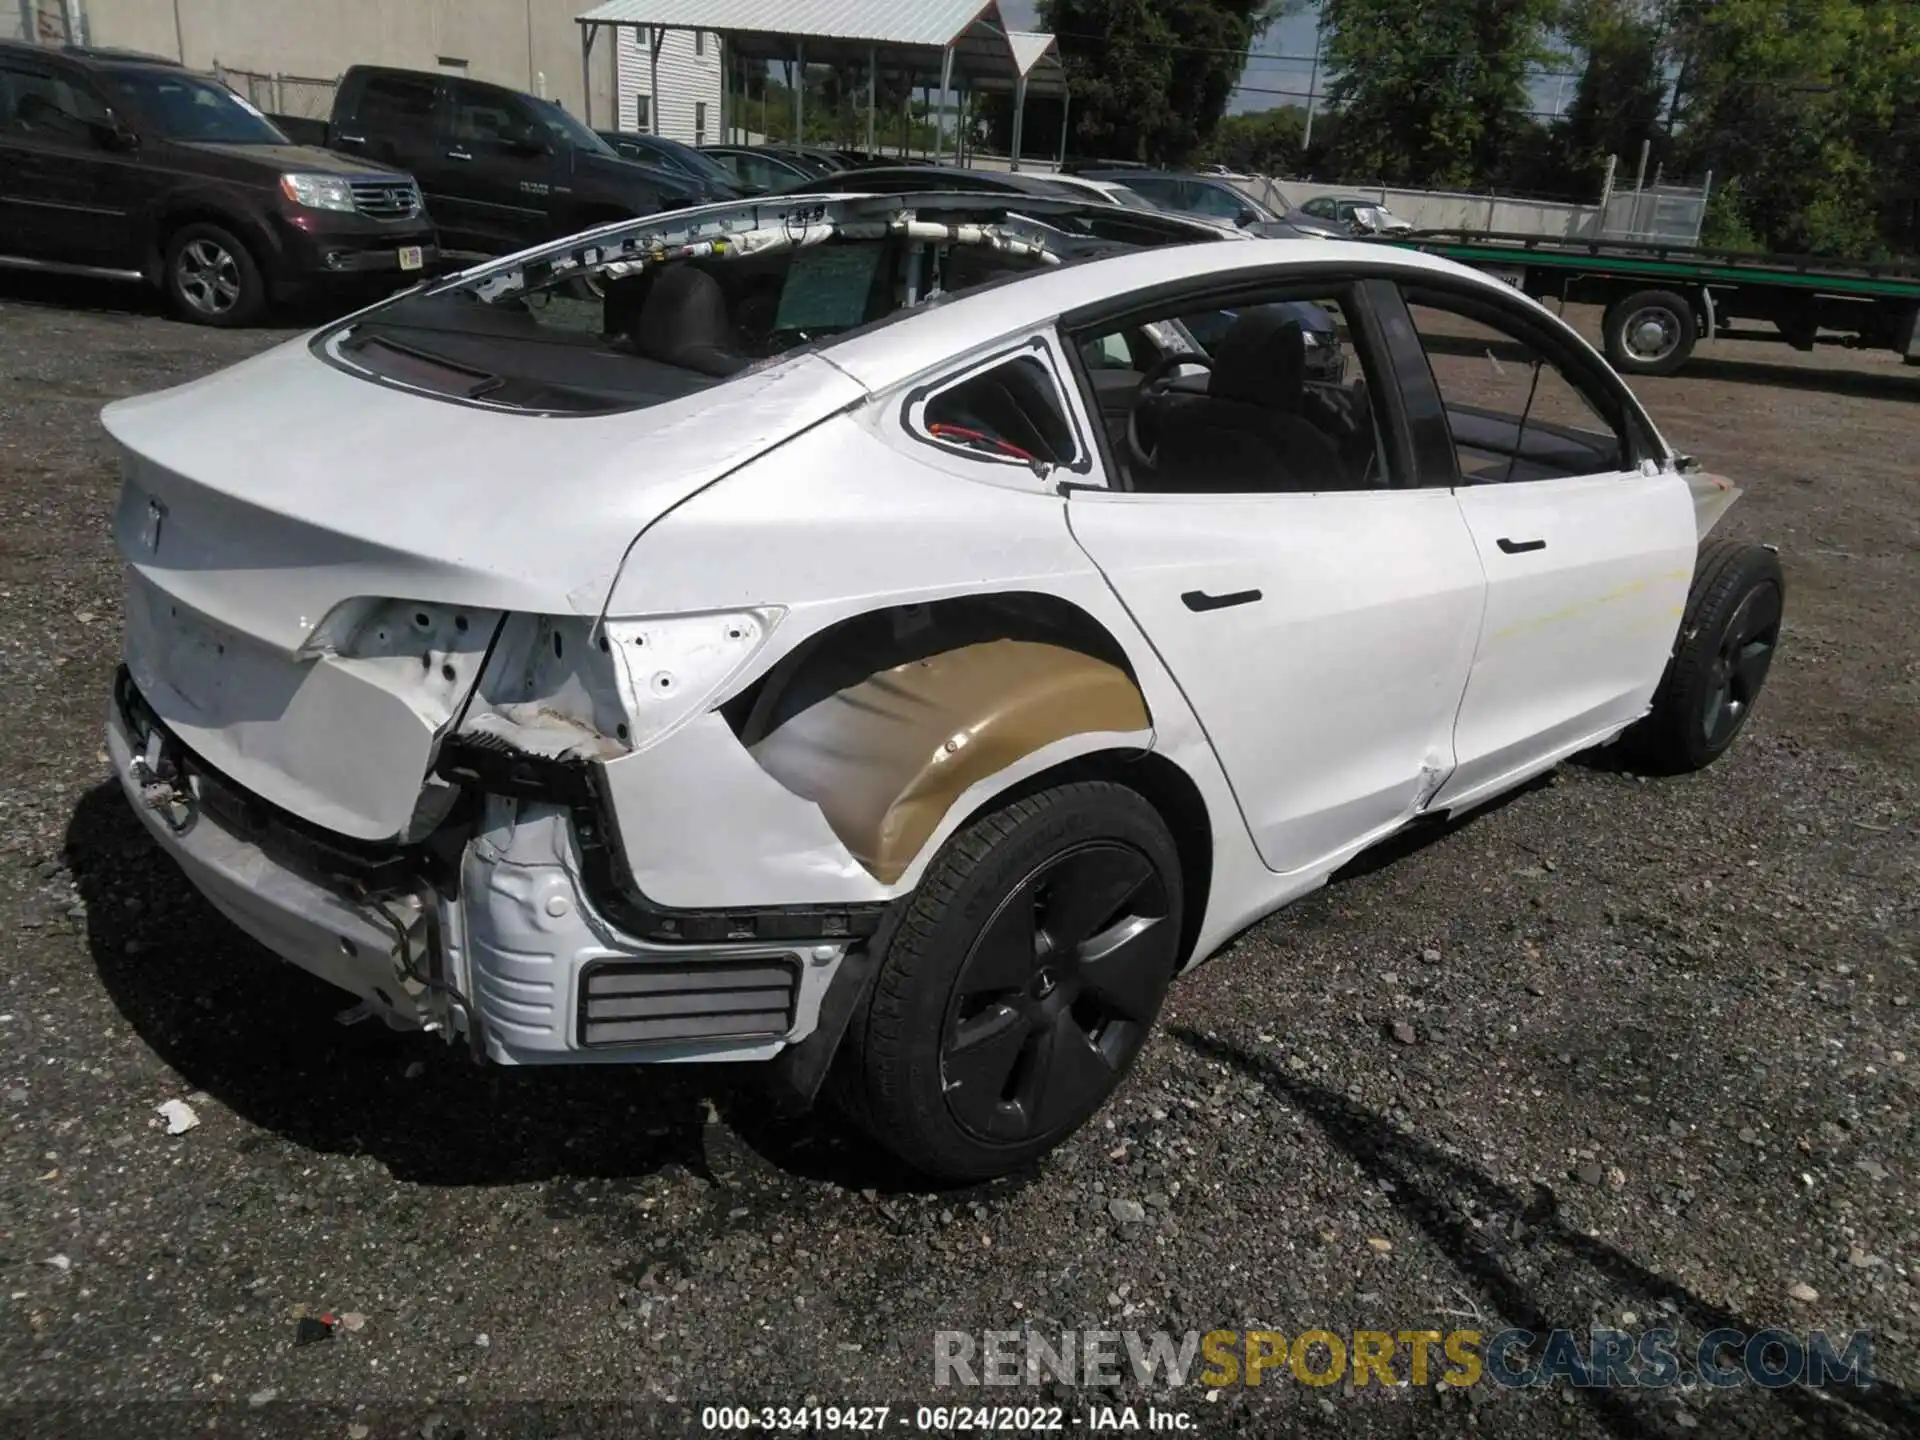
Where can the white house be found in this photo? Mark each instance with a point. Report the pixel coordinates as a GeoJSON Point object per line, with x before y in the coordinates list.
{"type": "Point", "coordinates": [688, 105]}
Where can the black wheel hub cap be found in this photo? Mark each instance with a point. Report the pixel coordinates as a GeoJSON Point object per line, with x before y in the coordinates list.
{"type": "Point", "coordinates": [1057, 993]}
{"type": "Point", "coordinates": [1740, 665]}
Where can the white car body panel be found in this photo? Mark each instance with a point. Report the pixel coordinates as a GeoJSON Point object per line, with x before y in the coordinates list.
{"type": "Point", "coordinates": [1330, 699]}
{"type": "Point", "coordinates": [291, 486]}
{"type": "Point", "coordinates": [392, 496]}
{"type": "Point", "coordinates": [857, 514]}
{"type": "Point", "coordinates": [1577, 633]}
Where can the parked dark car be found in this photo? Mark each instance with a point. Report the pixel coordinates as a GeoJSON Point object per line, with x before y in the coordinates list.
{"type": "Point", "coordinates": [757, 169]}
{"type": "Point", "coordinates": [134, 168]}
{"type": "Point", "coordinates": [501, 169]}
{"type": "Point", "coordinates": [1203, 195]}
{"type": "Point", "coordinates": [814, 157]}
{"type": "Point", "coordinates": [716, 180]}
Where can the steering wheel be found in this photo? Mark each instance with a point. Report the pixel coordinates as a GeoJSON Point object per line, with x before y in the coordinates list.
{"type": "Point", "coordinates": [1154, 386]}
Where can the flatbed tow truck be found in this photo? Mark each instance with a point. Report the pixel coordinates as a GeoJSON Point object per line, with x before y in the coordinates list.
{"type": "Point", "coordinates": [1661, 300]}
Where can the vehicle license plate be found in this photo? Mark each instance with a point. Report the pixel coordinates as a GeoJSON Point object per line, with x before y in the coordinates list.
{"type": "Point", "coordinates": [411, 258]}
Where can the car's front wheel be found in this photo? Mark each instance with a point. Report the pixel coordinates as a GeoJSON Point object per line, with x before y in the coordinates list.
{"type": "Point", "coordinates": [1023, 979]}
{"type": "Point", "coordinates": [1728, 636]}
{"type": "Point", "coordinates": [212, 278]}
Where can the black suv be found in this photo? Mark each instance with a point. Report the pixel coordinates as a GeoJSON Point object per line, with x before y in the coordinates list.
{"type": "Point", "coordinates": [133, 168]}
{"type": "Point", "coordinates": [501, 169]}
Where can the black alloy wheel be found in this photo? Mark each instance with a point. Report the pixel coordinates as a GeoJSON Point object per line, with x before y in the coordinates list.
{"type": "Point", "coordinates": [1017, 985]}
{"type": "Point", "coordinates": [1740, 666]}
{"type": "Point", "coordinates": [1056, 993]}
{"type": "Point", "coordinates": [1729, 634]}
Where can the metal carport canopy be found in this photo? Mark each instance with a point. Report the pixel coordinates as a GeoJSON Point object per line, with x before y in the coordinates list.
{"type": "Point", "coordinates": [950, 39]}
{"type": "Point", "coordinates": [1038, 70]}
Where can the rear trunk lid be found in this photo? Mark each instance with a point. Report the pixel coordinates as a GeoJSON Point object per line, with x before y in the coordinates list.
{"type": "Point", "coordinates": [261, 500]}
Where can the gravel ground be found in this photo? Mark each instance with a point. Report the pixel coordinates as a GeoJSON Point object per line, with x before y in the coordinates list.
{"type": "Point", "coordinates": [1619, 1052]}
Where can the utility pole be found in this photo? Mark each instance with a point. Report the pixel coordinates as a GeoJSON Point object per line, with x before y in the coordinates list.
{"type": "Point", "coordinates": [1313, 80]}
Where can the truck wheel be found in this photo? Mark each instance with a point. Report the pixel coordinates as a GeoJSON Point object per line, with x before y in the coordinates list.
{"type": "Point", "coordinates": [211, 277]}
{"type": "Point", "coordinates": [1650, 333]}
{"type": "Point", "coordinates": [1021, 982]}
{"type": "Point", "coordinates": [1727, 642]}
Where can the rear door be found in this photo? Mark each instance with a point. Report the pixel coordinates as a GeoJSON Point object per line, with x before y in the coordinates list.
{"type": "Point", "coordinates": [65, 195]}
{"type": "Point", "coordinates": [1320, 625]}
{"type": "Point", "coordinates": [1588, 540]}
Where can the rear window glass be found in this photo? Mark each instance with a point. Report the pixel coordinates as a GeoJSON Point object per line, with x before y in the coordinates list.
{"type": "Point", "coordinates": [395, 100]}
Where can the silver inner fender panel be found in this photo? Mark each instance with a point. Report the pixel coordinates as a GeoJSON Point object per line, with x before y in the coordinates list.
{"type": "Point", "coordinates": [553, 983]}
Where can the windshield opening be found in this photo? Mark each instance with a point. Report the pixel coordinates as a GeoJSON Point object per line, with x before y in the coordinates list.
{"type": "Point", "coordinates": [187, 107]}
{"type": "Point", "coordinates": [651, 311]}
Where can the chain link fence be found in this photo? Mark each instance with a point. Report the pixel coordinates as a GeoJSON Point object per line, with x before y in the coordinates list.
{"type": "Point", "coordinates": [1656, 214]}
{"type": "Point", "coordinates": [306, 97]}
{"type": "Point", "coordinates": [1661, 214]}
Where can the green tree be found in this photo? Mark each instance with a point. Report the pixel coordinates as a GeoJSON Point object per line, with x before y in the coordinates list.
{"type": "Point", "coordinates": [1432, 92]}
{"type": "Point", "coordinates": [1151, 78]}
{"type": "Point", "coordinates": [1262, 142]}
{"type": "Point", "coordinates": [1813, 108]}
{"type": "Point", "coordinates": [1617, 105]}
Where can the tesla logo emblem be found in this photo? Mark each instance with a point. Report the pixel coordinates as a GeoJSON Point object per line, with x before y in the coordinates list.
{"type": "Point", "coordinates": [150, 532]}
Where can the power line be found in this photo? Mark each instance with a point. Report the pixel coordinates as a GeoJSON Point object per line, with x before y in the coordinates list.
{"type": "Point", "coordinates": [1250, 54]}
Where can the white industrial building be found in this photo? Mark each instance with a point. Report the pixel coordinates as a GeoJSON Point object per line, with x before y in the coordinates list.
{"type": "Point", "coordinates": [685, 64]}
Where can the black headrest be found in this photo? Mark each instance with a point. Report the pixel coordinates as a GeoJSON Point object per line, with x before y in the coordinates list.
{"type": "Point", "coordinates": [1261, 361]}
{"type": "Point", "coordinates": [684, 322]}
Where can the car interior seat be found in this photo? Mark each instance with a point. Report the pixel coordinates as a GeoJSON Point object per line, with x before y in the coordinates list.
{"type": "Point", "coordinates": [684, 322]}
{"type": "Point", "coordinates": [1247, 432]}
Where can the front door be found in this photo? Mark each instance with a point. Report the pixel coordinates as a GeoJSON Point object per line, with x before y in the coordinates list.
{"type": "Point", "coordinates": [1318, 613]}
{"type": "Point", "coordinates": [1588, 543]}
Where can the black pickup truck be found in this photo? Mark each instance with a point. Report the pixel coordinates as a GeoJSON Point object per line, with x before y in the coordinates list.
{"type": "Point", "coordinates": [128, 167]}
{"type": "Point", "coordinates": [501, 169]}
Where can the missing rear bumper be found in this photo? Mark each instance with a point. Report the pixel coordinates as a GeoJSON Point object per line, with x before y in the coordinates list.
{"type": "Point", "coordinates": [352, 943]}
{"type": "Point", "coordinates": [503, 942]}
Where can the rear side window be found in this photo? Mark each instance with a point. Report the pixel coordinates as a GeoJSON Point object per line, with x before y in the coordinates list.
{"type": "Point", "coordinates": [1010, 410]}
{"type": "Point", "coordinates": [394, 102]}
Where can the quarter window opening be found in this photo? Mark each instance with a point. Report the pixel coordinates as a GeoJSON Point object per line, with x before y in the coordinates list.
{"type": "Point", "coordinates": [1011, 411]}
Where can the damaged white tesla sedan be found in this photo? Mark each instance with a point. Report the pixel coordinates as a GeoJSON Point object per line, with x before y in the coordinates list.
{"type": "Point", "coordinates": [877, 633]}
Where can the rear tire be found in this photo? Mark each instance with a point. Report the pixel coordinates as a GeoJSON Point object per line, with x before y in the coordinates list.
{"type": "Point", "coordinates": [211, 278]}
{"type": "Point", "coordinates": [1728, 639]}
{"type": "Point", "coordinates": [1651, 332]}
{"type": "Point", "coordinates": [1020, 983]}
